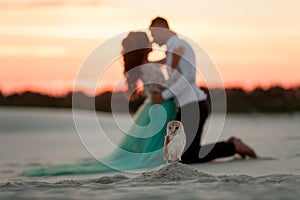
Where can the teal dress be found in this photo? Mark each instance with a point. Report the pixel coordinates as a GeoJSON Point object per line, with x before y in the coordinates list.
{"type": "Point", "coordinates": [141, 147]}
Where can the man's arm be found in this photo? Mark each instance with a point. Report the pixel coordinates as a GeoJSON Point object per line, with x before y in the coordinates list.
{"type": "Point", "coordinates": [187, 70]}
{"type": "Point", "coordinates": [157, 97]}
{"type": "Point", "coordinates": [176, 55]}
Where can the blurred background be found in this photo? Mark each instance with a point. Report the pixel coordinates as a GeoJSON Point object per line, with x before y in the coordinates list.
{"type": "Point", "coordinates": [44, 42]}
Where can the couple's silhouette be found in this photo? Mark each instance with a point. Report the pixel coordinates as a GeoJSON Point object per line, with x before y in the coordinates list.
{"type": "Point", "coordinates": [179, 89]}
{"type": "Point", "coordinates": [179, 98]}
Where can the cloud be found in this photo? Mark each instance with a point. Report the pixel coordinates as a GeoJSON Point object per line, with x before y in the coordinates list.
{"type": "Point", "coordinates": [43, 3]}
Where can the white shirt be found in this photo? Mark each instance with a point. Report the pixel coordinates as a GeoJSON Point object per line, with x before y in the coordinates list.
{"type": "Point", "coordinates": [184, 88]}
{"type": "Point", "coordinates": [152, 78]}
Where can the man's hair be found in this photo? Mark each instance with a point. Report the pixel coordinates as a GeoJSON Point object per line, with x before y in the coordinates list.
{"type": "Point", "coordinates": [159, 22]}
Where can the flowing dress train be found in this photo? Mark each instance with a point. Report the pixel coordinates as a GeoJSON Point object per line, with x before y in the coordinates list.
{"type": "Point", "coordinates": [134, 152]}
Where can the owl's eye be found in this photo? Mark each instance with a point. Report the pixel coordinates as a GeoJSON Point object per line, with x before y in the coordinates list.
{"type": "Point", "coordinates": [170, 128]}
{"type": "Point", "coordinates": [176, 127]}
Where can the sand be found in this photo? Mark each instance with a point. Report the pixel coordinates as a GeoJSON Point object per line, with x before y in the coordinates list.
{"type": "Point", "coordinates": [29, 138]}
{"type": "Point", "coordinates": [172, 181]}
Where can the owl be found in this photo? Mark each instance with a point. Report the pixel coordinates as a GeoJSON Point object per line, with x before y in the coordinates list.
{"type": "Point", "coordinates": [175, 141]}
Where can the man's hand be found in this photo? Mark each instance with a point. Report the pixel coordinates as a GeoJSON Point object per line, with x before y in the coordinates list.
{"type": "Point", "coordinates": [157, 98]}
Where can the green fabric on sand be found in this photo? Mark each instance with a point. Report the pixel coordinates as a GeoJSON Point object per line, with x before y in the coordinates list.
{"type": "Point", "coordinates": [136, 150]}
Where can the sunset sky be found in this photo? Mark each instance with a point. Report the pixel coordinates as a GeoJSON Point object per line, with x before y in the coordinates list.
{"type": "Point", "coordinates": [44, 42]}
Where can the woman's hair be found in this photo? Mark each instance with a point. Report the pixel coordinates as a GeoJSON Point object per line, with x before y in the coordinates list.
{"type": "Point", "coordinates": [135, 49]}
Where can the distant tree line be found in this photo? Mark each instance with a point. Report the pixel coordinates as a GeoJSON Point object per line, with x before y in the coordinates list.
{"type": "Point", "coordinates": [272, 100]}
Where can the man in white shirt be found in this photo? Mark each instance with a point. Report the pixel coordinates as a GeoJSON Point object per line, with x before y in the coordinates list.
{"type": "Point", "coordinates": [189, 98]}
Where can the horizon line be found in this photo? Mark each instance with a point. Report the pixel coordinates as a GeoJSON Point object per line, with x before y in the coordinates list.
{"type": "Point", "coordinates": [65, 92]}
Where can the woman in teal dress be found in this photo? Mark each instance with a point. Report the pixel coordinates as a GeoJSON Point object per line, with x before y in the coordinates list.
{"type": "Point", "coordinates": [142, 146]}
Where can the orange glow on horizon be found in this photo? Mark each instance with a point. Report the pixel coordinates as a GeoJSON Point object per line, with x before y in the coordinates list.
{"type": "Point", "coordinates": [44, 44]}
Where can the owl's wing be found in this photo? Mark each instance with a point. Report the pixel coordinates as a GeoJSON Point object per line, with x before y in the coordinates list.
{"type": "Point", "coordinates": [184, 138]}
{"type": "Point", "coordinates": [167, 140]}
{"type": "Point", "coordinates": [184, 141]}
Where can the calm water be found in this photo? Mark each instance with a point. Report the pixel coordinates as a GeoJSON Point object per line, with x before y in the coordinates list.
{"type": "Point", "coordinates": [31, 137]}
